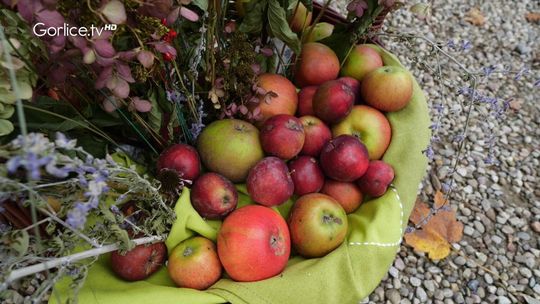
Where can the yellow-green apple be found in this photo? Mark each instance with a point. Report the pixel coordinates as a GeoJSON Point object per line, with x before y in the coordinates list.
{"type": "Point", "coordinates": [344, 158]}
{"type": "Point", "coordinates": [279, 96]}
{"type": "Point", "coordinates": [316, 65]}
{"type": "Point", "coordinates": [370, 126]}
{"type": "Point", "coordinates": [361, 60]}
{"type": "Point", "coordinates": [213, 196]}
{"type": "Point", "coordinates": [140, 262]}
{"type": "Point", "coordinates": [305, 100]}
{"type": "Point", "coordinates": [316, 135]}
{"type": "Point", "coordinates": [318, 225]}
{"type": "Point", "coordinates": [318, 32]}
{"type": "Point", "coordinates": [378, 177]}
{"type": "Point", "coordinates": [269, 182]}
{"type": "Point", "coordinates": [194, 263]}
{"type": "Point", "coordinates": [388, 88]}
{"type": "Point", "coordinates": [347, 194]}
{"type": "Point", "coordinates": [253, 243]}
{"type": "Point", "coordinates": [300, 18]}
{"type": "Point", "coordinates": [306, 175]}
{"type": "Point", "coordinates": [230, 147]}
{"type": "Point", "coordinates": [282, 136]}
{"type": "Point", "coordinates": [182, 159]}
{"type": "Point", "coordinates": [354, 85]}
{"type": "Point", "coordinates": [333, 101]}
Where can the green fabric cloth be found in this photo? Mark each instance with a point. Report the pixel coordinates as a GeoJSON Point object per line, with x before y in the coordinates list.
{"type": "Point", "coordinates": [346, 275]}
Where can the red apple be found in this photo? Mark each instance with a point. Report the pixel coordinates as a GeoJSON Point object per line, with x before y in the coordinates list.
{"type": "Point", "coordinates": [346, 194]}
{"type": "Point", "coordinates": [306, 175]}
{"type": "Point", "coordinates": [344, 158]}
{"type": "Point", "coordinates": [254, 243]}
{"type": "Point", "coordinates": [213, 196]}
{"type": "Point", "coordinates": [378, 177]}
{"type": "Point", "coordinates": [305, 100]}
{"type": "Point", "coordinates": [318, 32]}
{"type": "Point", "coordinates": [370, 126]}
{"type": "Point", "coordinates": [282, 136]}
{"type": "Point", "coordinates": [140, 262]}
{"type": "Point", "coordinates": [333, 101]}
{"type": "Point", "coordinates": [280, 96]}
{"type": "Point", "coordinates": [388, 89]}
{"type": "Point", "coordinates": [301, 18]}
{"type": "Point", "coordinates": [269, 182]}
{"type": "Point", "coordinates": [354, 85]}
{"type": "Point", "coordinates": [318, 225]}
{"type": "Point", "coordinates": [362, 60]}
{"type": "Point", "coordinates": [316, 65]}
{"type": "Point", "coordinates": [316, 135]}
{"type": "Point", "coordinates": [194, 263]}
{"type": "Point", "coordinates": [181, 158]}
{"type": "Point", "coordinates": [230, 147]}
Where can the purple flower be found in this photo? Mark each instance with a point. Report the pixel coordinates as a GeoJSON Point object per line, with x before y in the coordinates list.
{"type": "Point", "coordinates": [439, 107]}
{"type": "Point", "coordinates": [429, 152]}
{"type": "Point", "coordinates": [115, 209]}
{"type": "Point", "coordinates": [31, 162]}
{"type": "Point", "coordinates": [63, 142]}
{"type": "Point", "coordinates": [451, 44]}
{"type": "Point", "coordinates": [53, 170]}
{"type": "Point", "coordinates": [522, 71]}
{"type": "Point", "coordinates": [76, 217]}
{"type": "Point", "coordinates": [466, 45]}
{"type": "Point", "coordinates": [537, 83]}
{"type": "Point", "coordinates": [488, 70]}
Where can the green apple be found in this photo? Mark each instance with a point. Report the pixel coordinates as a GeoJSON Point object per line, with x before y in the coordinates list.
{"type": "Point", "coordinates": [318, 225]}
{"type": "Point", "coordinates": [370, 126]}
{"type": "Point", "coordinates": [230, 147]}
{"type": "Point", "coordinates": [388, 88]}
{"type": "Point", "coordinates": [194, 263]}
{"type": "Point", "coordinates": [362, 59]}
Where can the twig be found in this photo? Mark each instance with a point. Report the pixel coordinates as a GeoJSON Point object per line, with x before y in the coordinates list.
{"type": "Point", "coordinates": [22, 272]}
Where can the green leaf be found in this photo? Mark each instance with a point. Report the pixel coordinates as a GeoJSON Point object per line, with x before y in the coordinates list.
{"type": "Point", "coordinates": [6, 127]}
{"type": "Point", "coordinates": [19, 241]}
{"type": "Point", "coordinates": [308, 4]}
{"type": "Point", "coordinates": [154, 116]}
{"type": "Point", "coordinates": [253, 20]}
{"type": "Point", "coordinates": [6, 111]}
{"type": "Point", "coordinates": [202, 4]}
{"type": "Point", "coordinates": [279, 26]}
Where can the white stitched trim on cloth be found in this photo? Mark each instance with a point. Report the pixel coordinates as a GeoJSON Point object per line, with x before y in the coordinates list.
{"type": "Point", "coordinates": [398, 242]}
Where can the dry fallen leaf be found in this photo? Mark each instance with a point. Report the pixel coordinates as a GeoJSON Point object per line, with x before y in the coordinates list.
{"type": "Point", "coordinates": [475, 17]}
{"type": "Point", "coordinates": [437, 233]}
{"type": "Point", "coordinates": [419, 213]}
{"type": "Point", "coordinates": [533, 17]}
{"type": "Point", "coordinates": [515, 104]}
{"type": "Point", "coordinates": [439, 199]}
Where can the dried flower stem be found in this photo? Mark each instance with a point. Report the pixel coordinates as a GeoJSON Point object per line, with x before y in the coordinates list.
{"type": "Point", "coordinates": [22, 272]}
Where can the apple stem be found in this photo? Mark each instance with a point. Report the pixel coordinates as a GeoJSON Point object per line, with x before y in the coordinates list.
{"type": "Point", "coordinates": [26, 271]}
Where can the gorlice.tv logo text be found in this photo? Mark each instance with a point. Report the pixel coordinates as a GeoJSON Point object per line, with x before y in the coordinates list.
{"type": "Point", "coordinates": [40, 30]}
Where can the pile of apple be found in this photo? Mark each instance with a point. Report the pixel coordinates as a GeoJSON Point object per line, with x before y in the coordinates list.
{"type": "Point", "coordinates": [326, 158]}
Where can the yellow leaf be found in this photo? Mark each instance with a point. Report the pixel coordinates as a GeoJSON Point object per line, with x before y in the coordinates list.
{"type": "Point", "coordinates": [436, 247]}
{"type": "Point", "coordinates": [437, 232]}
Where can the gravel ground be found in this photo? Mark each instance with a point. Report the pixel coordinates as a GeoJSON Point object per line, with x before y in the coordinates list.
{"type": "Point", "coordinates": [498, 260]}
